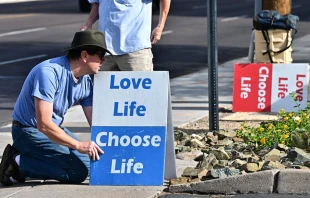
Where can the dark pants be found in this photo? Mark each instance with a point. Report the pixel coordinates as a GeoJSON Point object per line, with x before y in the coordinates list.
{"type": "Point", "coordinates": [41, 158]}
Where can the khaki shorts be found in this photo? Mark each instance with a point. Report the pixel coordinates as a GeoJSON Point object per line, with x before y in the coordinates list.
{"type": "Point", "coordinates": [141, 60]}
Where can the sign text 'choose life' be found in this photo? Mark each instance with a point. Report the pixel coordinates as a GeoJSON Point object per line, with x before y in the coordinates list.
{"type": "Point", "coordinates": [124, 141]}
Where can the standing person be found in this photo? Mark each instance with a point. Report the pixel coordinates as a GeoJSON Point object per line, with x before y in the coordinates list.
{"type": "Point", "coordinates": [42, 148]}
{"type": "Point", "coordinates": [127, 28]}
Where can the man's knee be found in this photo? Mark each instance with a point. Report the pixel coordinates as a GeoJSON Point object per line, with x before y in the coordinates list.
{"type": "Point", "coordinates": [78, 176]}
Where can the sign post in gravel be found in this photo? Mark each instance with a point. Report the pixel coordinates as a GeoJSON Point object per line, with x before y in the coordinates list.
{"type": "Point", "coordinates": [212, 65]}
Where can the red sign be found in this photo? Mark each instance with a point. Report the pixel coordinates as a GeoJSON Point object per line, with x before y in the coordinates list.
{"type": "Point", "coordinates": [252, 87]}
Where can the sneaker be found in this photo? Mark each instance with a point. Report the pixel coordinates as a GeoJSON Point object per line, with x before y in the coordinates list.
{"type": "Point", "coordinates": [18, 177]}
{"type": "Point", "coordinates": [8, 166]}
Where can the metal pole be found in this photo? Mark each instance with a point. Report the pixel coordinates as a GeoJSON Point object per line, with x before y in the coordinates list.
{"type": "Point", "coordinates": [212, 66]}
{"type": "Point", "coordinates": [258, 6]}
{"type": "Point", "coordinates": [251, 48]}
{"type": "Point", "coordinates": [257, 9]}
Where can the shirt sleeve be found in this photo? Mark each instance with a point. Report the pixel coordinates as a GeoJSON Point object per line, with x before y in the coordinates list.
{"type": "Point", "coordinates": [88, 101]}
{"type": "Point", "coordinates": [45, 84]}
{"type": "Point", "coordinates": [93, 1]}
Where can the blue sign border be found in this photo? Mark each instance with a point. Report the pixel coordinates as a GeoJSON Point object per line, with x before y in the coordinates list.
{"type": "Point", "coordinates": [152, 157]}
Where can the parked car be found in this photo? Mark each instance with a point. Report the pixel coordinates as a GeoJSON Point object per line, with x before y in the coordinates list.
{"type": "Point", "coordinates": [85, 6]}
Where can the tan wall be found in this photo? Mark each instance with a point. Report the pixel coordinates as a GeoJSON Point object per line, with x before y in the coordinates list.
{"type": "Point", "coordinates": [282, 6]}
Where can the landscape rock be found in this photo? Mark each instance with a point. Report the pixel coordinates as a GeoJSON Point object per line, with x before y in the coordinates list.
{"type": "Point", "coordinates": [194, 173]}
{"type": "Point", "coordinates": [198, 137]}
{"type": "Point", "coordinates": [270, 165]}
{"type": "Point", "coordinates": [250, 167]}
{"type": "Point", "coordinates": [236, 139]}
{"type": "Point", "coordinates": [300, 138]}
{"type": "Point", "coordinates": [226, 134]}
{"type": "Point", "coordinates": [221, 155]}
{"type": "Point", "coordinates": [225, 142]}
{"type": "Point", "coordinates": [253, 159]}
{"type": "Point", "coordinates": [282, 147]}
{"type": "Point", "coordinates": [195, 143]}
{"type": "Point", "coordinates": [307, 164]}
{"type": "Point", "coordinates": [237, 163]}
{"type": "Point", "coordinates": [224, 172]}
{"type": "Point", "coordinates": [200, 157]}
{"type": "Point", "coordinates": [208, 162]}
{"type": "Point", "coordinates": [180, 135]}
{"type": "Point", "coordinates": [179, 180]}
{"type": "Point", "coordinates": [298, 156]}
{"type": "Point", "coordinates": [273, 155]}
{"type": "Point", "coordinates": [188, 155]}
{"type": "Point", "coordinates": [180, 148]}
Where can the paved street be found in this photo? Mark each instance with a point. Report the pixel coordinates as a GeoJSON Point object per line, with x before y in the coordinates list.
{"type": "Point", "coordinates": [35, 30]}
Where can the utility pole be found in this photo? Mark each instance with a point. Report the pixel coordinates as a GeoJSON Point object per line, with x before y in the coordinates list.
{"type": "Point", "coordinates": [282, 6]}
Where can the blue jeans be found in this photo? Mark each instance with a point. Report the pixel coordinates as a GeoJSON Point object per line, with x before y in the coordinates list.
{"type": "Point", "coordinates": [41, 158]}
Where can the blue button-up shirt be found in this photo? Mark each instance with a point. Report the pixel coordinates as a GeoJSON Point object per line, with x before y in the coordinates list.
{"type": "Point", "coordinates": [126, 24]}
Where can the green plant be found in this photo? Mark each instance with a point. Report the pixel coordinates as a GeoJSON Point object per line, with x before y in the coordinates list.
{"type": "Point", "coordinates": [277, 132]}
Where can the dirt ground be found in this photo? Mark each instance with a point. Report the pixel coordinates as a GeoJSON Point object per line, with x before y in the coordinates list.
{"type": "Point", "coordinates": [202, 125]}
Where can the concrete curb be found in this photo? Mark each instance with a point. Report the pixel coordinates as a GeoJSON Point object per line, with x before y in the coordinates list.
{"type": "Point", "coordinates": [260, 182]}
{"type": "Point", "coordinates": [288, 181]}
{"type": "Point", "coordinates": [292, 181]}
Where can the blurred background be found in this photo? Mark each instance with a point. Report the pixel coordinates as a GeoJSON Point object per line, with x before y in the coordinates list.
{"type": "Point", "coordinates": [32, 31]}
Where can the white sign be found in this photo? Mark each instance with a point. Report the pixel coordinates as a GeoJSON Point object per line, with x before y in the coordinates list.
{"type": "Point", "coordinates": [286, 79]}
{"type": "Point", "coordinates": [131, 120]}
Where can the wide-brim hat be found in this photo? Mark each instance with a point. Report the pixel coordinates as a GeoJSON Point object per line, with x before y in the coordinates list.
{"type": "Point", "coordinates": [88, 38]}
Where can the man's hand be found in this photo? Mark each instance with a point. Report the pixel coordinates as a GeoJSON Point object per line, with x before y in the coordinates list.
{"type": "Point", "coordinates": [92, 18]}
{"type": "Point", "coordinates": [156, 34]}
{"type": "Point", "coordinates": [85, 27]}
{"type": "Point", "coordinates": [90, 148]}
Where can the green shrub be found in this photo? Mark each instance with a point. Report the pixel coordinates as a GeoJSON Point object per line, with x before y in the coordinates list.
{"type": "Point", "coordinates": [277, 132]}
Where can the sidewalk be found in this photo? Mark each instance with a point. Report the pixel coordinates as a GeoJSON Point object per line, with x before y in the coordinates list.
{"type": "Point", "coordinates": [189, 95]}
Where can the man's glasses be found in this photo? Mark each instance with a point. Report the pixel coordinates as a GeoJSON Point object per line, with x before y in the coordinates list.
{"type": "Point", "coordinates": [101, 56]}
